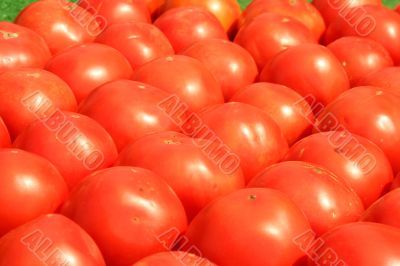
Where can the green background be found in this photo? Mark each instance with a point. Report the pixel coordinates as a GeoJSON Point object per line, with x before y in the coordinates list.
{"type": "Point", "coordinates": [10, 8]}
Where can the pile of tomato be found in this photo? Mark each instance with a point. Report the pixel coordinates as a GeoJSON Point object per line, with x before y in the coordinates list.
{"type": "Point", "coordinates": [188, 132]}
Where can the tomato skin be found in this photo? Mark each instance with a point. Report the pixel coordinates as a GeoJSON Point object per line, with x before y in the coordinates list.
{"type": "Point", "coordinates": [51, 238]}
{"type": "Point", "coordinates": [76, 144]}
{"type": "Point", "coordinates": [316, 71]}
{"type": "Point", "coordinates": [88, 66]}
{"type": "Point", "coordinates": [280, 32]}
{"type": "Point", "coordinates": [360, 57]}
{"type": "Point", "coordinates": [37, 94]}
{"type": "Point", "coordinates": [116, 203]}
{"type": "Point", "coordinates": [184, 26]}
{"type": "Point", "coordinates": [5, 140]}
{"type": "Point", "coordinates": [138, 42]}
{"type": "Point", "coordinates": [21, 47]}
{"type": "Point", "coordinates": [339, 153]}
{"type": "Point", "coordinates": [128, 110]}
{"type": "Point", "coordinates": [174, 258]}
{"type": "Point", "coordinates": [267, 232]}
{"type": "Point", "coordinates": [57, 22]}
{"type": "Point", "coordinates": [387, 78]}
{"type": "Point", "coordinates": [396, 182]}
{"type": "Point", "coordinates": [279, 102]}
{"type": "Point", "coordinates": [231, 64]}
{"type": "Point", "coordinates": [369, 112]}
{"type": "Point", "coordinates": [185, 166]}
{"type": "Point", "coordinates": [184, 76]}
{"type": "Point", "coordinates": [27, 175]}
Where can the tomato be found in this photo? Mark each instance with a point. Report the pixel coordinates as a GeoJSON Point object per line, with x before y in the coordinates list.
{"type": "Point", "coordinates": [271, 220]}
{"type": "Point", "coordinates": [184, 76]}
{"type": "Point", "coordinates": [279, 32]}
{"type": "Point", "coordinates": [186, 165]}
{"type": "Point", "coordinates": [27, 176]}
{"type": "Point", "coordinates": [128, 110]}
{"type": "Point", "coordinates": [88, 66]}
{"type": "Point", "coordinates": [231, 65]}
{"type": "Point", "coordinates": [325, 199]}
{"type": "Point", "coordinates": [314, 71]}
{"type": "Point", "coordinates": [174, 258]}
{"type": "Point", "coordinates": [396, 182]}
{"type": "Point", "coordinates": [36, 94]}
{"type": "Point", "coordinates": [300, 10]}
{"type": "Point", "coordinates": [376, 22]}
{"type": "Point", "coordinates": [77, 145]}
{"type": "Point", "coordinates": [369, 112]}
{"type": "Point", "coordinates": [138, 42]}
{"type": "Point", "coordinates": [125, 210]}
{"type": "Point", "coordinates": [248, 131]}
{"type": "Point", "coordinates": [49, 240]}
{"type": "Point", "coordinates": [62, 24]}
{"type": "Point", "coordinates": [360, 57]}
{"type": "Point", "coordinates": [330, 10]}
{"type": "Point", "coordinates": [282, 104]}
{"type": "Point", "coordinates": [367, 244]}
{"type": "Point", "coordinates": [387, 78]}
{"type": "Point", "coordinates": [5, 140]}
{"type": "Point", "coordinates": [184, 26]}
{"type": "Point", "coordinates": [227, 11]}
{"type": "Point", "coordinates": [21, 47]}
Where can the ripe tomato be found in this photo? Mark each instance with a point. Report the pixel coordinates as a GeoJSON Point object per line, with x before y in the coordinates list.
{"type": "Point", "coordinates": [376, 22]}
{"type": "Point", "coordinates": [360, 57]}
{"type": "Point", "coordinates": [36, 94]}
{"type": "Point", "coordinates": [138, 42]}
{"type": "Point", "coordinates": [125, 210]}
{"type": "Point", "coordinates": [49, 240]}
{"type": "Point", "coordinates": [184, 26]}
{"type": "Point", "coordinates": [231, 65]}
{"type": "Point", "coordinates": [314, 70]}
{"type": "Point", "coordinates": [279, 32]}
{"type": "Point", "coordinates": [128, 110]}
{"type": "Point", "coordinates": [77, 145]}
{"type": "Point", "coordinates": [184, 76]}
{"type": "Point", "coordinates": [174, 258]}
{"type": "Point", "coordinates": [25, 176]}
{"type": "Point", "coordinates": [271, 220]}
{"type": "Point", "coordinates": [248, 131]}
{"type": "Point", "coordinates": [88, 66]}
{"type": "Point", "coordinates": [369, 112]}
{"type": "Point", "coordinates": [186, 165]}
{"type": "Point", "coordinates": [5, 140]}
{"type": "Point", "coordinates": [325, 199]}
{"type": "Point", "coordinates": [21, 47]}
{"type": "Point", "coordinates": [387, 78]}
{"type": "Point", "coordinates": [282, 104]}
{"type": "Point", "coordinates": [62, 24]}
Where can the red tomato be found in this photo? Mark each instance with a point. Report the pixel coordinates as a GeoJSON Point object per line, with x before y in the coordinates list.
{"type": "Point", "coordinates": [360, 57]}
{"type": "Point", "coordinates": [5, 140]}
{"type": "Point", "coordinates": [279, 32]}
{"type": "Point", "coordinates": [21, 47]}
{"type": "Point", "coordinates": [369, 112]}
{"type": "Point", "coordinates": [325, 199]}
{"type": "Point", "coordinates": [184, 76]}
{"type": "Point", "coordinates": [125, 210]}
{"type": "Point", "coordinates": [387, 78]}
{"type": "Point", "coordinates": [49, 240]}
{"type": "Point", "coordinates": [366, 244]}
{"type": "Point", "coordinates": [300, 10]}
{"type": "Point", "coordinates": [174, 258]}
{"type": "Point", "coordinates": [186, 165]}
{"type": "Point", "coordinates": [184, 26]}
{"type": "Point", "coordinates": [27, 176]}
{"type": "Point", "coordinates": [77, 145]}
{"type": "Point", "coordinates": [270, 219]}
{"type": "Point", "coordinates": [36, 94]}
{"type": "Point", "coordinates": [314, 70]}
{"type": "Point", "coordinates": [359, 162]}
{"type": "Point", "coordinates": [128, 110]}
{"type": "Point", "coordinates": [231, 65]}
{"type": "Point", "coordinates": [88, 66]}
{"type": "Point", "coordinates": [248, 131]}
{"type": "Point", "coordinates": [282, 104]}
{"type": "Point", "coordinates": [376, 22]}
{"type": "Point", "coordinates": [138, 42]}
{"type": "Point", "coordinates": [396, 182]}
{"type": "Point", "coordinates": [62, 24]}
